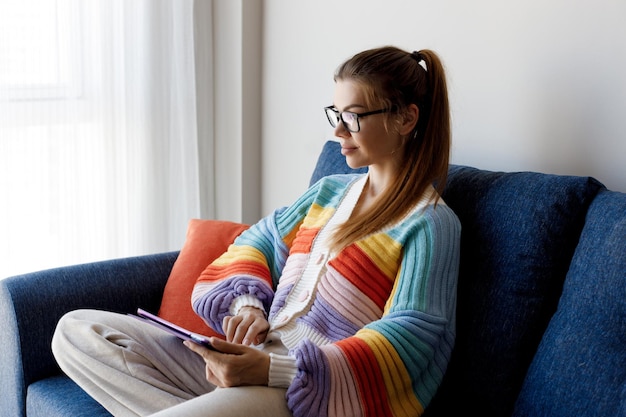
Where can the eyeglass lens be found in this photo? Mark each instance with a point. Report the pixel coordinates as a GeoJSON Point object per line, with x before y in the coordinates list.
{"type": "Point", "coordinates": [350, 120]}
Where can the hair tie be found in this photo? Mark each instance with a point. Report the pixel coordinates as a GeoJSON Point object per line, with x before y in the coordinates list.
{"type": "Point", "coordinates": [417, 56]}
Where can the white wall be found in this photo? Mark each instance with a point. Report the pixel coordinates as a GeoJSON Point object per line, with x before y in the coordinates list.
{"type": "Point", "coordinates": [534, 84]}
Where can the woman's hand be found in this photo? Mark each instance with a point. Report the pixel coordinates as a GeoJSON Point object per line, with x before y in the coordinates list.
{"type": "Point", "coordinates": [232, 365]}
{"type": "Point", "coordinates": [248, 327]}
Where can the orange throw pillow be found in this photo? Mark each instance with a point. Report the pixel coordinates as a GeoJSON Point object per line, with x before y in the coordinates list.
{"type": "Point", "coordinates": [206, 240]}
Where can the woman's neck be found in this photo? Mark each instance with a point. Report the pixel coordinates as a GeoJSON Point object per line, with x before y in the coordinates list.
{"type": "Point", "coordinates": [375, 185]}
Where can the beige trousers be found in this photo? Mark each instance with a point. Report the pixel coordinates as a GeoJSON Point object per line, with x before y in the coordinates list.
{"type": "Point", "coordinates": [134, 369]}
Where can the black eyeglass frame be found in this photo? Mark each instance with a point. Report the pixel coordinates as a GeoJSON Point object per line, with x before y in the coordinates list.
{"type": "Point", "coordinates": [358, 116]}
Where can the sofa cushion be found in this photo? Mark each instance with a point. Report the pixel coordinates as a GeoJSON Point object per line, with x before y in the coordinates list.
{"type": "Point", "coordinates": [580, 366]}
{"type": "Point", "coordinates": [205, 241]}
{"type": "Point", "coordinates": [519, 231]}
{"type": "Point", "coordinates": [59, 396]}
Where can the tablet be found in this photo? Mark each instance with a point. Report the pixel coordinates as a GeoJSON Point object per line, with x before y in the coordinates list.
{"type": "Point", "coordinates": [172, 328]}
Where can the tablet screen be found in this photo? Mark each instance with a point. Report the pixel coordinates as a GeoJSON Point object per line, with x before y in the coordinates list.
{"type": "Point", "coordinates": [172, 328]}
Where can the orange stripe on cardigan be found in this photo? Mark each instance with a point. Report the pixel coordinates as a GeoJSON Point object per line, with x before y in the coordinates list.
{"type": "Point", "coordinates": [363, 273]}
{"type": "Point", "coordinates": [369, 379]}
{"type": "Point", "coordinates": [246, 268]}
{"type": "Point", "coordinates": [304, 240]}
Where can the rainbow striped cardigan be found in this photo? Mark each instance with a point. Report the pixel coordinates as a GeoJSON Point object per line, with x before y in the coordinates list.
{"type": "Point", "coordinates": [369, 330]}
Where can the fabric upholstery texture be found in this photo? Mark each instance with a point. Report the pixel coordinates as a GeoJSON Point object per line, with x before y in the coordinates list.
{"type": "Point", "coordinates": [31, 305]}
{"type": "Point", "coordinates": [580, 365]}
{"type": "Point", "coordinates": [519, 232]}
{"type": "Point", "coordinates": [49, 398]}
{"type": "Point", "coordinates": [205, 241]}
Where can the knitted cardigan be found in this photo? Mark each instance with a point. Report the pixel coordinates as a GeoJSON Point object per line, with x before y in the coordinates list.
{"type": "Point", "coordinates": [369, 330]}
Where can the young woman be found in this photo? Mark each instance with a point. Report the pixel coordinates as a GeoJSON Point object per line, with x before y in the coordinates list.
{"type": "Point", "coordinates": [342, 304]}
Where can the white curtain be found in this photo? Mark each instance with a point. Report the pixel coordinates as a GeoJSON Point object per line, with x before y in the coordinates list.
{"type": "Point", "coordinates": [104, 146]}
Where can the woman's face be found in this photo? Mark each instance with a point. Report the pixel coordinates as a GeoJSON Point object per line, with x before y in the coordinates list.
{"type": "Point", "coordinates": [372, 145]}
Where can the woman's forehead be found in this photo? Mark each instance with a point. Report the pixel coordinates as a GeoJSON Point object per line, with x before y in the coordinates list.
{"type": "Point", "coordinates": [349, 93]}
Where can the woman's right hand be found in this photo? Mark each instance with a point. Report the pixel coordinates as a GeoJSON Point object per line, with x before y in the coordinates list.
{"type": "Point", "coordinates": [248, 327]}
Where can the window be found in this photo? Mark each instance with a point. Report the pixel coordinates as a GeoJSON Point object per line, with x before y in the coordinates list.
{"type": "Point", "coordinates": [98, 131]}
{"type": "Point", "coordinates": [40, 49]}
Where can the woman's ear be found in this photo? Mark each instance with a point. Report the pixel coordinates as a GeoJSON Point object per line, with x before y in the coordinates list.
{"type": "Point", "coordinates": [411, 116]}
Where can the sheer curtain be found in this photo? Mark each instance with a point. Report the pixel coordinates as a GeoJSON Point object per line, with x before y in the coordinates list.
{"type": "Point", "coordinates": [101, 154]}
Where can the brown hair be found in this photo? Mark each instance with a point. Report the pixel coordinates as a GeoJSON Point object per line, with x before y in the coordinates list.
{"type": "Point", "coordinates": [394, 79]}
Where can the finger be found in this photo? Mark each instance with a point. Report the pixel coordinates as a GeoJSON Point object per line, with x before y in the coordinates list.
{"type": "Point", "coordinates": [224, 346]}
{"type": "Point", "coordinates": [230, 325]}
{"type": "Point", "coordinates": [256, 332]}
{"type": "Point", "coordinates": [199, 349]}
{"type": "Point", "coordinates": [261, 337]}
{"type": "Point", "coordinates": [242, 330]}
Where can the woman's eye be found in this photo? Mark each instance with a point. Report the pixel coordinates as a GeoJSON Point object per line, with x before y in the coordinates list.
{"type": "Point", "coordinates": [349, 117]}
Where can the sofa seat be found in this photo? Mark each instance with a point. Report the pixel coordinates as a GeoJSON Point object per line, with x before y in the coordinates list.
{"type": "Point", "coordinates": [49, 398]}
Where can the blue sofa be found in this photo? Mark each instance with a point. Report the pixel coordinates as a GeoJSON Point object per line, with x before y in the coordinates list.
{"type": "Point", "coordinates": [541, 312]}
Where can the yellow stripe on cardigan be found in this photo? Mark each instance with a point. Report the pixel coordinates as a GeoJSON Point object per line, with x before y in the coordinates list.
{"type": "Point", "coordinates": [289, 237]}
{"type": "Point", "coordinates": [378, 247]}
{"type": "Point", "coordinates": [239, 253]}
{"type": "Point", "coordinates": [392, 370]}
{"type": "Point", "coordinates": [318, 216]}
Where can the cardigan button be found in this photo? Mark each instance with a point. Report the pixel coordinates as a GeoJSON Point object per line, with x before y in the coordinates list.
{"type": "Point", "coordinates": [303, 296]}
{"type": "Point", "coordinates": [321, 258]}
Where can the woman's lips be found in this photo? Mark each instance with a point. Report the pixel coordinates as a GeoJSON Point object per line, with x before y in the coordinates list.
{"type": "Point", "coordinates": [345, 150]}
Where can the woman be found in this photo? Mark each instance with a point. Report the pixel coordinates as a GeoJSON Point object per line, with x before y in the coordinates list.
{"type": "Point", "coordinates": [342, 304]}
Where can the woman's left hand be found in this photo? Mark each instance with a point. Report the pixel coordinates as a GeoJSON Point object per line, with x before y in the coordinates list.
{"type": "Point", "coordinates": [232, 365]}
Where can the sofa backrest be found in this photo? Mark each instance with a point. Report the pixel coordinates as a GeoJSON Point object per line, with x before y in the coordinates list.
{"type": "Point", "coordinates": [519, 233]}
{"type": "Point", "coordinates": [580, 366]}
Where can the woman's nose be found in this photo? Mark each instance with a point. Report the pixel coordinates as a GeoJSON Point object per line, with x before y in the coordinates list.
{"type": "Point", "coordinates": [340, 130]}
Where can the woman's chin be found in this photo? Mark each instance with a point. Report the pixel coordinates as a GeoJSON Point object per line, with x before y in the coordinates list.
{"type": "Point", "coordinates": [354, 164]}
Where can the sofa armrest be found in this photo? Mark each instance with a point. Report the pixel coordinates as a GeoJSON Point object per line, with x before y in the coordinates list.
{"type": "Point", "coordinates": [31, 305]}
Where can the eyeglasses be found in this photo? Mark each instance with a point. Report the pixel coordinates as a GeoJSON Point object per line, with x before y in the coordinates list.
{"type": "Point", "coordinates": [349, 119]}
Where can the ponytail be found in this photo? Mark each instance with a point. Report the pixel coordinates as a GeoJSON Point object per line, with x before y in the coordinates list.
{"type": "Point", "coordinates": [396, 79]}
